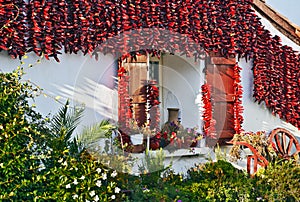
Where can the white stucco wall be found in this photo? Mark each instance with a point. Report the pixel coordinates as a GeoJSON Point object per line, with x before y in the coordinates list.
{"type": "Point", "coordinates": [88, 82]}
{"type": "Point", "coordinates": [79, 78]}
{"type": "Point", "coordinates": [182, 79]}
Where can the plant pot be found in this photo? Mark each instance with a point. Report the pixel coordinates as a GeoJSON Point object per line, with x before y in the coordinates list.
{"type": "Point", "coordinates": [137, 148]}
{"type": "Point", "coordinates": [137, 139]}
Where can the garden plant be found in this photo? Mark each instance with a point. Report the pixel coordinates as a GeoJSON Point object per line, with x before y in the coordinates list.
{"type": "Point", "coordinates": [42, 160]}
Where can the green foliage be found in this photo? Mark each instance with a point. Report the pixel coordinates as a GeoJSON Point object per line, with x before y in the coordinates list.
{"type": "Point", "coordinates": [91, 135]}
{"type": "Point", "coordinates": [22, 137]}
{"type": "Point", "coordinates": [39, 161]}
{"type": "Point", "coordinates": [153, 162]}
{"type": "Point", "coordinates": [63, 125]}
{"type": "Point", "coordinates": [109, 155]}
{"type": "Point", "coordinates": [280, 181]}
{"type": "Point", "coordinates": [217, 181]}
{"type": "Point", "coordinates": [220, 181]}
{"type": "Point", "coordinates": [74, 180]}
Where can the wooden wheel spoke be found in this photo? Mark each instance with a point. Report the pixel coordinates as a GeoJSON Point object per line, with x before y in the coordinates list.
{"type": "Point", "coordinates": [284, 143]}
{"type": "Point", "coordinates": [283, 137]}
{"type": "Point", "coordinates": [289, 148]}
{"type": "Point", "coordinates": [279, 146]}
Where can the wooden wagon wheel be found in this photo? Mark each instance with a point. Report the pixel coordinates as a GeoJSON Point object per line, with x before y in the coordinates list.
{"type": "Point", "coordinates": [284, 143]}
{"type": "Point", "coordinates": [256, 158]}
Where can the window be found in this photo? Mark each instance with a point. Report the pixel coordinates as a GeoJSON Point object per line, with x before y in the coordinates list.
{"type": "Point", "coordinates": [138, 90]}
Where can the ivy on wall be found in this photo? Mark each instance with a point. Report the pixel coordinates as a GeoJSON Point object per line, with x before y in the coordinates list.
{"type": "Point", "coordinates": [191, 27]}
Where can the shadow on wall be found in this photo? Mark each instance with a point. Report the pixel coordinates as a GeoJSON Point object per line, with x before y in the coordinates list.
{"type": "Point", "coordinates": [98, 98]}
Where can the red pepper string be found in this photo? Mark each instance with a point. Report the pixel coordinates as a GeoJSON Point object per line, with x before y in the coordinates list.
{"type": "Point", "coordinates": [153, 99]}
{"type": "Point", "coordinates": [209, 122]}
{"type": "Point", "coordinates": [188, 27]}
{"type": "Point", "coordinates": [276, 78]}
{"type": "Point", "coordinates": [238, 107]}
{"type": "Point", "coordinates": [124, 110]}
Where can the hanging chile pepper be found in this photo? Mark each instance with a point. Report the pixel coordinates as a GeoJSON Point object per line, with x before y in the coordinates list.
{"type": "Point", "coordinates": [190, 27]}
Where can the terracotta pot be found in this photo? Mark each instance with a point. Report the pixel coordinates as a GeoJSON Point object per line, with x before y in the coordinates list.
{"type": "Point", "coordinates": [137, 148]}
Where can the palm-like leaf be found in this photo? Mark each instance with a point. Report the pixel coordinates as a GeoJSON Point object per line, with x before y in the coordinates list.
{"type": "Point", "coordinates": [91, 135]}
{"type": "Point", "coordinates": [63, 125]}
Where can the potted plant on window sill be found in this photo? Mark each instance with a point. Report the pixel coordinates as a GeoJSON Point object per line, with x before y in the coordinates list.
{"type": "Point", "coordinates": [190, 137]}
{"type": "Point", "coordinates": [137, 133]}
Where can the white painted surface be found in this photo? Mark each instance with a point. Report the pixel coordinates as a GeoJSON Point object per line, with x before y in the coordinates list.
{"type": "Point", "coordinates": [182, 81]}
{"type": "Point", "coordinates": [79, 78]}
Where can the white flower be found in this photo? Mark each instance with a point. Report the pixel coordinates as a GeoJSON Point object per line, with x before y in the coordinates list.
{"type": "Point", "coordinates": [75, 196]}
{"type": "Point", "coordinates": [60, 160]}
{"type": "Point", "coordinates": [114, 174]}
{"type": "Point", "coordinates": [98, 183]}
{"type": "Point", "coordinates": [87, 200]}
{"type": "Point", "coordinates": [75, 181]}
{"type": "Point", "coordinates": [96, 198]}
{"type": "Point", "coordinates": [98, 170]}
{"type": "Point", "coordinates": [146, 190]}
{"type": "Point", "coordinates": [68, 186]}
{"type": "Point", "coordinates": [104, 176]}
{"type": "Point", "coordinates": [117, 190]}
{"type": "Point", "coordinates": [92, 193]}
{"type": "Point", "coordinates": [82, 177]}
{"type": "Point", "coordinates": [65, 163]}
{"type": "Point", "coordinates": [113, 197]}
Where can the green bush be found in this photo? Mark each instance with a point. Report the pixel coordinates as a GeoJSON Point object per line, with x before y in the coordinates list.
{"type": "Point", "coordinates": [84, 180]}
{"type": "Point", "coordinates": [220, 181]}
{"type": "Point", "coordinates": [280, 181]}
{"type": "Point", "coordinates": [22, 137]}
{"type": "Point", "coordinates": [38, 161]}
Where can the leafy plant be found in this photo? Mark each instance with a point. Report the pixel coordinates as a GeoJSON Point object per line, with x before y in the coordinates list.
{"type": "Point", "coordinates": [23, 135]}
{"type": "Point", "coordinates": [280, 181]}
{"type": "Point", "coordinates": [154, 162]}
{"type": "Point", "coordinates": [63, 125]}
{"type": "Point", "coordinates": [91, 135]}
{"type": "Point", "coordinates": [42, 164]}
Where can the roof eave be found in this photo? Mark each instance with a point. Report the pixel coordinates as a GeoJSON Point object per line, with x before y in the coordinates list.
{"type": "Point", "coordinates": [280, 22]}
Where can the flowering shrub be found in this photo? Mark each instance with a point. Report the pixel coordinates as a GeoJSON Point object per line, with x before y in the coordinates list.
{"type": "Point", "coordinates": [84, 180]}
{"type": "Point", "coordinates": [22, 133]}
{"type": "Point", "coordinates": [31, 168]}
